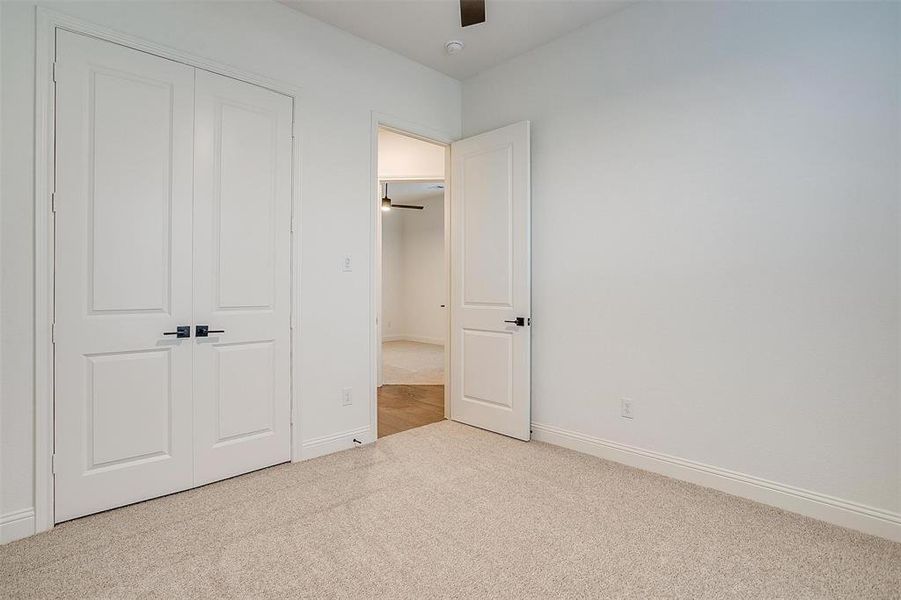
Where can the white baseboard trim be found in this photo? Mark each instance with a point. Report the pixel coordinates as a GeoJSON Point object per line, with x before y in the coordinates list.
{"type": "Point", "coordinates": [833, 510]}
{"type": "Point", "coordinates": [16, 525]}
{"type": "Point", "coordinates": [413, 338]}
{"type": "Point", "coordinates": [335, 442]}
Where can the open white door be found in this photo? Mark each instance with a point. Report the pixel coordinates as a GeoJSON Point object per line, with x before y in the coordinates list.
{"type": "Point", "coordinates": [490, 281]}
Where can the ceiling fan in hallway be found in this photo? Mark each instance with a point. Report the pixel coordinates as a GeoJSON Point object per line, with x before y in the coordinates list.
{"type": "Point", "coordinates": [388, 205]}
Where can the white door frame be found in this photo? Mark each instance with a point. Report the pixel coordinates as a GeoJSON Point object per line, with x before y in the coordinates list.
{"type": "Point", "coordinates": [47, 22]}
{"type": "Point", "coordinates": [426, 134]}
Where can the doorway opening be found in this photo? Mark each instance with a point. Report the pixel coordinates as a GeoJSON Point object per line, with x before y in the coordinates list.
{"type": "Point", "coordinates": [413, 319]}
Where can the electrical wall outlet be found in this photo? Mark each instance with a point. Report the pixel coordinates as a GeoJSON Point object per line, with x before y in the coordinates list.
{"type": "Point", "coordinates": [626, 408]}
{"type": "Point", "coordinates": [347, 263]}
{"type": "Point", "coordinates": [346, 397]}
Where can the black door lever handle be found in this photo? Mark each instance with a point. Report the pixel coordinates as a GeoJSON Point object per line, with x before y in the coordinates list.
{"type": "Point", "coordinates": [518, 321]}
{"type": "Point", "coordinates": [182, 331]}
{"type": "Point", "coordinates": [205, 331]}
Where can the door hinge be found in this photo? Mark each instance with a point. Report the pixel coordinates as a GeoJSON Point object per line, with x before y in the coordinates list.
{"type": "Point", "coordinates": [53, 463]}
{"type": "Point", "coordinates": [53, 333]}
{"type": "Point", "coordinates": [53, 202]}
{"type": "Point", "coordinates": [54, 72]}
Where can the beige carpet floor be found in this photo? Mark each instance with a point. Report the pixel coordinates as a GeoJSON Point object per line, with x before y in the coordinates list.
{"type": "Point", "coordinates": [447, 511]}
{"type": "Point", "coordinates": [412, 363]}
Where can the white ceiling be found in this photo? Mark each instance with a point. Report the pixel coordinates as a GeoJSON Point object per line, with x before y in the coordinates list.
{"type": "Point", "coordinates": [418, 29]}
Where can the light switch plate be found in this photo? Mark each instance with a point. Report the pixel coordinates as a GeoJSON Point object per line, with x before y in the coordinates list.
{"type": "Point", "coordinates": [626, 408]}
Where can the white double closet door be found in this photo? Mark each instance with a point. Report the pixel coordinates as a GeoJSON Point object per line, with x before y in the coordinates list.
{"type": "Point", "coordinates": [173, 208]}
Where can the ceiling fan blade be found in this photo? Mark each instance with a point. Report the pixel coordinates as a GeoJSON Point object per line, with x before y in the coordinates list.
{"type": "Point", "coordinates": [406, 206]}
{"type": "Point", "coordinates": [472, 12]}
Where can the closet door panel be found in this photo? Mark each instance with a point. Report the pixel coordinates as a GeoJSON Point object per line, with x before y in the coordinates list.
{"type": "Point", "coordinates": [242, 277]}
{"type": "Point", "coordinates": [123, 227]}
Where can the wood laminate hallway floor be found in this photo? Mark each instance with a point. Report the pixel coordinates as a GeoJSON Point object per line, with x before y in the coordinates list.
{"type": "Point", "coordinates": [403, 407]}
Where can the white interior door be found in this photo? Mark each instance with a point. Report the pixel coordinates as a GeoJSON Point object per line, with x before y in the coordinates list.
{"type": "Point", "coordinates": [242, 277]}
{"type": "Point", "coordinates": [490, 281]}
{"type": "Point", "coordinates": [124, 143]}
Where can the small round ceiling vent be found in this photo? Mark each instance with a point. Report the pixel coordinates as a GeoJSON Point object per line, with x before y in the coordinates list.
{"type": "Point", "coordinates": [453, 46]}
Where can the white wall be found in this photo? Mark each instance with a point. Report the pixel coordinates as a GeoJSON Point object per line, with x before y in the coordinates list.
{"type": "Point", "coordinates": [343, 79]}
{"type": "Point", "coordinates": [16, 268]}
{"type": "Point", "coordinates": [716, 235]}
{"type": "Point", "coordinates": [413, 273]}
{"type": "Point", "coordinates": [392, 276]}
{"type": "Point", "coordinates": [404, 157]}
{"type": "Point", "coordinates": [424, 272]}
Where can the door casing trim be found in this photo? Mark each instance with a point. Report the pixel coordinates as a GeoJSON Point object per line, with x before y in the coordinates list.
{"type": "Point", "coordinates": [47, 22]}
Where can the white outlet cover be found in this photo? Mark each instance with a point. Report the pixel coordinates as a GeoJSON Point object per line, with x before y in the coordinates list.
{"type": "Point", "coordinates": [346, 397]}
{"type": "Point", "coordinates": [626, 408]}
{"type": "Point", "coordinates": [347, 263]}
